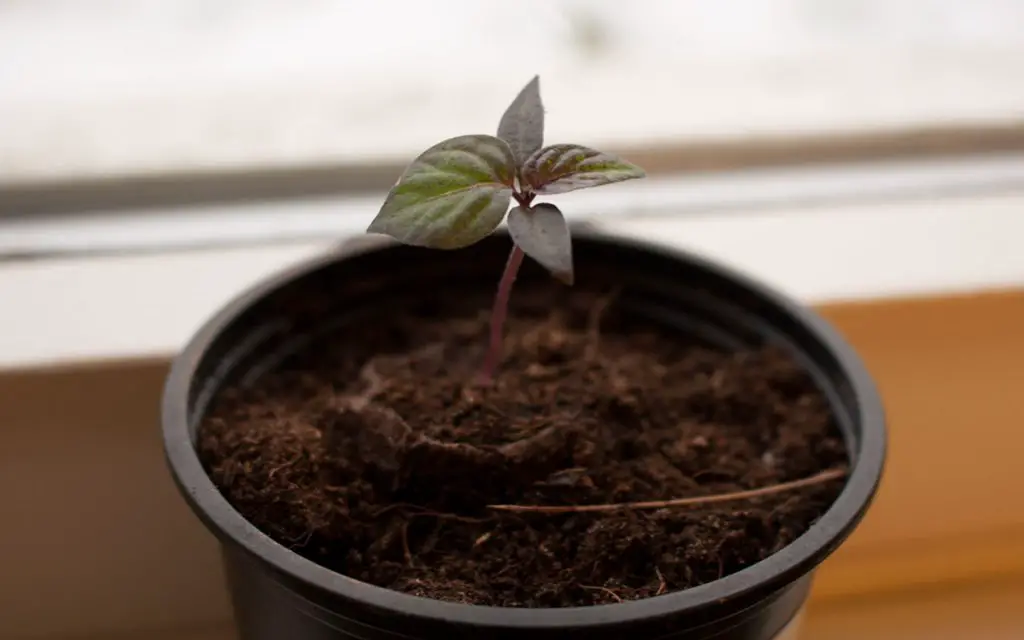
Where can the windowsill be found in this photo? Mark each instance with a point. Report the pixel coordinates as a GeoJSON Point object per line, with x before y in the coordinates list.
{"type": "Point", "coordinates": [68, 311]}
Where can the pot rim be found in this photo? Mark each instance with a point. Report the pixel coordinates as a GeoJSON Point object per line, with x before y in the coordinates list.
{"type": "Point", "coordinates": [783, 567]}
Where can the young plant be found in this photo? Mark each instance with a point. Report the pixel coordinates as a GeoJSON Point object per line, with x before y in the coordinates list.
{"type": "Point", "coordinates": [458, 191]}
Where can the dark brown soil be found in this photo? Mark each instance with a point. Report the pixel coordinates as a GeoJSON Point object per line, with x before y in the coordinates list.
{"type": "Point", "coordinates": [382, 465]}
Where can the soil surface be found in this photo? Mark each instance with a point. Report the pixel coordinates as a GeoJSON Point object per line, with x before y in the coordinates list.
{"type": "Point", "coordinates": [377, 456]}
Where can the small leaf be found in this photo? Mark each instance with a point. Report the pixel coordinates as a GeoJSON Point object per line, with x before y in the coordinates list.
{"type": "Point", "coordinates": [522, 126]}
{"type": "Point", "coordinates": [567, 167]}
{"type": "Point", "coordinates": [453, 195]}
{"type": "Point", "coordinates": [542, 233]}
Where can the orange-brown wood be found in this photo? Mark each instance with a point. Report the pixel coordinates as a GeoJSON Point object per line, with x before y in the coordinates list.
{"type": "Point", "coordinates": [96, 541]}
{"type": "Point", "coordinates": [985, 611]}
{"type": "Point", "coordinates": [951, 506]}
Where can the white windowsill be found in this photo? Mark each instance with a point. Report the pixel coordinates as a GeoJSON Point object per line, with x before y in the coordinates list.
{"type": "Point", "coordinates": [74, 310]}
{"type": "Point", "coordinates": [730, 193]}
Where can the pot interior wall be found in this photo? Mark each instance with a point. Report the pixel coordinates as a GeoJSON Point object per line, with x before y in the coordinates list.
{"type": "Point", "coordinates": [692, 298]}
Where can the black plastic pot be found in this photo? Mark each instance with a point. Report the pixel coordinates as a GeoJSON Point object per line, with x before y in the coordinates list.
{"type": "Point", "coordinates": [278, 595]}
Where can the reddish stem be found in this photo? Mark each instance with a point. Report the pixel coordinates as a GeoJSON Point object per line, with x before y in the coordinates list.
{"type": "Point", "coordinates": [500, 312]}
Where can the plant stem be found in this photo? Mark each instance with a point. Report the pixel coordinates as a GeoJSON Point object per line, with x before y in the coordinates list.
{"type": "Point", "coordinates": [500, 312]}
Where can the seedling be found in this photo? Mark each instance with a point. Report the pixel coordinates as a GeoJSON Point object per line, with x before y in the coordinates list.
{"type": "Point", "coordinates": [458, 191]}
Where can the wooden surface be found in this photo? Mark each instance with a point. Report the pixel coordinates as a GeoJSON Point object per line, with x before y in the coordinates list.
{"type": "Point", "coordinates": [96, 541]}
{"type": "Point", "coordinates": [983, 611]}
{"type": "Point", "coordinates": [975, 612]}
{"type": "Point", "coordinates": [951, 506]}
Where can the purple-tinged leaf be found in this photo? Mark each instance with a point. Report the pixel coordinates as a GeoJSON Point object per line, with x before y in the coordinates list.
{"type": "Point", "coordinates": [542, 233]}
{"type": "Point", "coordinates": [522, 126]}
{"type": "Point", "coordinates": [567, 167]}
{"type": "Point", "coordinates": [453, 195]}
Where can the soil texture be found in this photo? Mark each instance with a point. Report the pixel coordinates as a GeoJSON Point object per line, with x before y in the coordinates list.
{"type": "Point", "coordinates": [377, 455]}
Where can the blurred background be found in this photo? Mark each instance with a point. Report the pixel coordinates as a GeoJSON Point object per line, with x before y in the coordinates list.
{"type": "Point", "coordinates": [157, 156]}
{"type": "Point", "coordinates": [100, 88]}
{"type": "Point", "coordinates": [112, 105]}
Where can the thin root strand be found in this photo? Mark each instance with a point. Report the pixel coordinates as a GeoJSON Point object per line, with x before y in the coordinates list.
{"type": "Point", "coordinates": [824, 476]}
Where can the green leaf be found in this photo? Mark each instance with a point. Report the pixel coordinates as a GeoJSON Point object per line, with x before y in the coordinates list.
{"type": "Point", "coordinates": [542, 233]}
{"type": "Point", "coordinates": [522, 126]}
{"type": "Point", "coordinates": [453, 195]}
{"type": "Point", "coordinates": [567, 167]}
